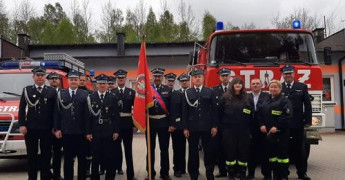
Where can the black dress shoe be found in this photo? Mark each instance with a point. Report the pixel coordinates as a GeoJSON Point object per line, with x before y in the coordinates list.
{"type": "Point", "coordinates": [304, 177]}
{"type": "Point", "coordinates": [167, 177]}
{"type": "Point", "coordinates": [133, 178]}
{"type": "Point", "coordinates": [182, 172]}
{"type": "Point", "coordinates": [220, 175]}
{"type": "Point", "coordinates": [120, 171]}
{"type": "Point", "coordinates": [101, 172]}
{"type": "Point", "coordinates": [177, 174]}
{"type": "Point", "coordinates": [267, 178]}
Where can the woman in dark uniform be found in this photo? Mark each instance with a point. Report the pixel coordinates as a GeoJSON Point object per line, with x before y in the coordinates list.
{"type": "Point", "coordinates": [235, 114]}
{"type": "Point", "coordinates": [274, 121]}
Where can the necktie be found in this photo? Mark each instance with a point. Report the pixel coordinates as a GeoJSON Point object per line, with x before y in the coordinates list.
{"type": "Point", "coordinates": [39, 88]}
{"type": "Point", "coordinates": [73, 95]}
{"type": "Point", "coordinates": [102, 97]}
{"type": "Point", "coordinates": [288, 85]}
{"type": "Point", "coordinates": [121, 91]}
{"type": "Point", "coordinates": [197, 90]}
{"type": "Point", "coordinates": [225, 88]}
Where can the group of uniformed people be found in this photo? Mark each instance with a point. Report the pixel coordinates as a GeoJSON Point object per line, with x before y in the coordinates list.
{"type": "Point", "coordinates": [237, 130]}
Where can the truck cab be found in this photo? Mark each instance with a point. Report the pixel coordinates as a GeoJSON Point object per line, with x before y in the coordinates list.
{"type": "Point", "coordinates": [14, 76]}
{"type": "Point", "coordinates": [261, 53]}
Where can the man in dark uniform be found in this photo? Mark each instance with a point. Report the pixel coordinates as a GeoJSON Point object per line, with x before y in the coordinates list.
{"type": "Point", "coordinates": [55, 82]}
{"type": "Point", "coordinates": [199, 107]}
{"type": "Point", "coordinates": [224, 76]}
{"type": "Point", "coordinates": [160, 124]}
{"type": "Point", "coordinates": [36, 110]}
{"type": "Point", "coordinates": [257, 143]}
{"type": "Point", "coordinates": [178, 139]}
{"type": "Point", "coordinates": [111, 83]}
{"type": "Point", "coordinates": [82, 85]}
{"type": "Point", "coordinates": [103, 129]}
{"type": "Point", "coordinates": [170, 79]}
{"type": "Point", "coordinates": [126, 97]}
{"type": "Point", "coordinates": [69, 123]}
{"type": "Point", "coordinates": [302, 114]}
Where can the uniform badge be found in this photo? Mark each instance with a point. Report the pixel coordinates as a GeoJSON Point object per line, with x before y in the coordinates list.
{"type": "Point", "coordinates": [96, 105]}
{"type": "Point", "coordinates": [106, 109]}
{"type": "Point", "coordinates": [120, 103]}
{"type": "Point", "coordinates": [45, 100]}
{"type": "Point", "coordinates": [34, 96]}
{"type": "Point", "coordinates": [287, 111]}
{"type": "Point", "coordinates": [130, 93]}
{"type": "Point", "coordinates": [164, 92]}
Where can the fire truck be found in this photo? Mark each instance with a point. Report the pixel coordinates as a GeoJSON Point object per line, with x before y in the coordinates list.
{"type": "Point", "coordinates": [261, 53]}
{"type": "Point", "coordinates": [14, 76]}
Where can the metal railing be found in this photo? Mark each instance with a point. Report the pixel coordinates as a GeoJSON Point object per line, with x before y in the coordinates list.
{"type": "Point", "coordinates": [8, 133]}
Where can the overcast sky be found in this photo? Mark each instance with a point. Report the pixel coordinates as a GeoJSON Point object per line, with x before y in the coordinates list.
{"type": "Point", "coordinates": [238, 12]}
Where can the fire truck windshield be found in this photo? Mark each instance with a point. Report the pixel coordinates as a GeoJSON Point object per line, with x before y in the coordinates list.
{"type": "Point", "coordinates": [14, 83]}
{"type": "Point", "coordinates": [263, 47]}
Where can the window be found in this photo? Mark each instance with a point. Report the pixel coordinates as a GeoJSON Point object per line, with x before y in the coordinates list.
{"type": "Point", "coordinates": [328, 89]}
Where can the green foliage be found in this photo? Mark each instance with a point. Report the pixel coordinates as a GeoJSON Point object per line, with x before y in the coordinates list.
{"type": "Point", "coordinates": [208, 25]}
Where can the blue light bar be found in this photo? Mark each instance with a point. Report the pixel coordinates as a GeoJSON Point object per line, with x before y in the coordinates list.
{"type": "Point", "coordinates": [92, 72]}
{"type": "Point", "coordinates": [31, 64]}
{"type": "Point", "coordinates": [219, 26]}
{"type": "Point", "coordinates": [296, 24]}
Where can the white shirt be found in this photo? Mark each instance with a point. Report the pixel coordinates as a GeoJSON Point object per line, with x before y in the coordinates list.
{"type": "Point", "coordinates": [200, 87]}
{"type": "Point", "coordinates": [290, 83]}
{"type": "Point", "coordinates": [123, 89]}
{"type": "Point", "coordinates": [256, 98]}
{"type": "Point", "coordinates": [227, 86]}
{"type": "Point", "coordinates": [99, 94]}
{"type": "Point", "coordinates": [70, 91]}
{"type": "Point", "coordinates": [39, 86]}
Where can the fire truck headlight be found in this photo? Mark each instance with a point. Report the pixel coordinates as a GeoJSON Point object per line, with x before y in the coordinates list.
{"type": "Point", "coordinates": [317, 121]}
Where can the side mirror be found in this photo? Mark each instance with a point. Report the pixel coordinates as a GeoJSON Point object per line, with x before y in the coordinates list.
{"type": "Point", "coordinates": [193, 57]}
{"type": "Point", "coordinates": [327, 55]}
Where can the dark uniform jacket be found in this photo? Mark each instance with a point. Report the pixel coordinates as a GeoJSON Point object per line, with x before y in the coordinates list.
{"type": "Point", "coordinates": [219, 91]}
{"type": "Point", "coordinates": [275, 112]}
{"type": "Point", "coordinates": [203, 117]}
{"type": "Point", "coordinates": [107, 122]}
{"type": "Point", "coordinates": [254, 124]}
{"type": "Point", "coordinates": [300, 100]}
{"type": "Point", "coordinates": [165, 93]}
{"type": "Point", "coordinates": [235, 114]}
{"type": "Point", "coordinates": [40, 116]}
{"type": "Point", "coordinates": [73, 119]}
{"type": "Point", "coordinates": [125, 103]}
{"type": "Point", "coordinates": [176, 108]}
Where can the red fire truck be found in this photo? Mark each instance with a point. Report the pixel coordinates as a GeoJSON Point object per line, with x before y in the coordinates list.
{"type": "Point", "coordinates": [14, 76]}
{"type": "Point", "coordinates": [261, 53]}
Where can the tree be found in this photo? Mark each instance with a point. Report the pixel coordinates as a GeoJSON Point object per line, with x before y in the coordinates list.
{"type": "Point", "coordinates": [112, 20]}
{"type": "Point", "coordinates": [187, 28]}
{"type": "Point", "coordinates": [21, 16]}
{"type": "Point", "coordinates": [168, 28]}
{"type": "Point", "coordinates": [248, 26]}
{"type": "Point", "coordinates": [230, 26]}
{"type": "Point", "coordinates": [81, 21]}
{"type": "Point", "coordinates": [152, 27]}
{"type": "Point", "coordinates": [4, 22]}
{"type": "Point", "coordinates": [65, 33]}
{"type": "Point", "coordinates": [54, 14]}
{"type": "Point", "coordinates": [308, 22]}
{"type": "Point", "coordinates": [208, 25]}
{"type": "Point", "coordinates": [36, 26]}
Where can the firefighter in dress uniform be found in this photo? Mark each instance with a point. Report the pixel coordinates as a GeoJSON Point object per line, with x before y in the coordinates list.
{"type": "Point", "coordinates": [178, 139]}
{"type": "Point", "coordinates": [55, 82]}
{"type": "Point", "coordinates": [257, 154]}
{"type": "Point", "coordinates": [160, 124]}
{"type": "Point", "coordinates": [126, 97]}
{"type": "Point", "coordinates": [111, 83]}
{"type": "Point", "coordinates": [224, 76]}
{"type": "Point", "coordinates": [298, 94]}
{"type": "Point", "coordinates": [170, 79]}
{"type": "Point", "coordinates": [71, 114]}
{"type": "Point", "coordinates": [103, 129]}
{"type": "Point", "coordinates": [274, 118]}
{"type": "Point", "coordinates": [36, 110]}
{"type": "Point", "coordinates": [199, 109]}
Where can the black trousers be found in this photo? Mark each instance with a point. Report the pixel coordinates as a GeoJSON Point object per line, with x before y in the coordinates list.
{"type": "Point", "coordinates": [278, 153]}
{"type": "Point", "coordinates": [179, 150]}
{"type": "Point", "coordinates": [163, 139]}
{"type": "Point", "coordinates": [208, 144]}
{"type": "Point", "coordinates": [57, 152]}
{"type": "Point", "coordinates": [33, 139]}
{"type": "Point", "coordinates": [105, 153]}
{"type": "Point", "coordinates": [74, 146]}
{"type": "Point", "coordinates": [126, 136]}
{"type": "Point", "coordinates": [297, 150]}
{"type": "Point", "coordinates": [258, 154]}
{"type": "Point", "coordinates": [220, 157]}
{"type": "Point", "coordinates": [236, 147]}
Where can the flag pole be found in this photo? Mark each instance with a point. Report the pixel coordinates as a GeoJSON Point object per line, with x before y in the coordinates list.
{"type": "Point", "coordinates": [148, 133]}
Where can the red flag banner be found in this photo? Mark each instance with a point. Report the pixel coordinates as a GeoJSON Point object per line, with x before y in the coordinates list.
{"type": "Point", "coordinates": [159, 100]}
{"type": "Point", "coordinates": [143, 97]}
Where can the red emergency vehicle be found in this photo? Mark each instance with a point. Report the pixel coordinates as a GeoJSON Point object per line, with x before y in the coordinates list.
{"type": "Point", "coordinates": [261, 53]}
{"type": "Point", "coordinates": [14, 76]}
